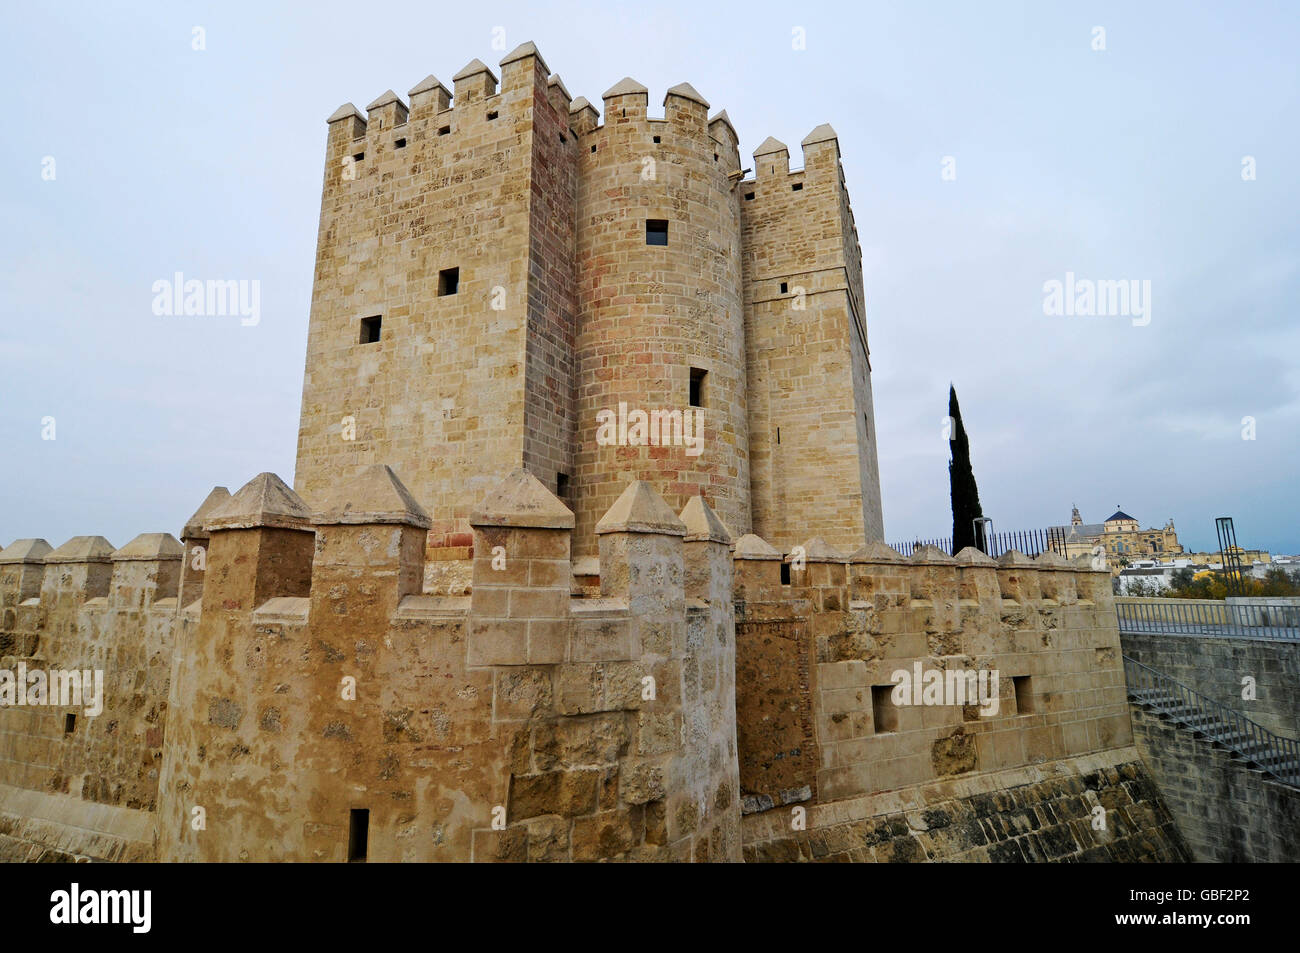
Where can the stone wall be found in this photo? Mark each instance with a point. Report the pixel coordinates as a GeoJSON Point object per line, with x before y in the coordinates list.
{"type": "Point", "coordinates": [515, 724]}
{"type": "Point", "coordinates": [1216, 666]}
{"type": "Point", "coordinates": [1227, 811]}
{"type": "Point", "coordinates": [1035, 814]}
{"type": "Point", "coordinates": [1045, 627]}
{"type": "Point", "coordinates": [811, 420]}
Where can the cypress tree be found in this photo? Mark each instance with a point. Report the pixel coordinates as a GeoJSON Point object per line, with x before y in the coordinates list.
{"type": "Point", "coordinates": [965, 495]}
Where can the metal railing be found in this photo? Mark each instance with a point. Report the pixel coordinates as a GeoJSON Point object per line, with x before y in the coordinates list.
{"type": "Point", "coordinates": [1277, 756]}
{"type": "Point", "coordinates": [1274, 622]}
{"type": "Point", "coordinates": [1031, 542]}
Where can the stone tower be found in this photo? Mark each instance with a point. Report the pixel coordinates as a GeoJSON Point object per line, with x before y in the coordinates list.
{"type": "Point", "coordinates": [498, 272]}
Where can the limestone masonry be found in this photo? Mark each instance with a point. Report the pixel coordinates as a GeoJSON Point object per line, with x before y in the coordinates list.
{"type": "Point", "coordinates": [501, 242]}
{"type": "Point", "coordinates": [515, 608]}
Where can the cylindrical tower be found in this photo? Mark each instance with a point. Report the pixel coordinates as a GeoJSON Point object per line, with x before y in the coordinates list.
{"type": "Point", "coordinates": [660, 338]}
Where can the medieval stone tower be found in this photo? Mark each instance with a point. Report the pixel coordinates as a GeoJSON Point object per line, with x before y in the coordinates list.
{"type": "Point", "coordinates": [496, 268]}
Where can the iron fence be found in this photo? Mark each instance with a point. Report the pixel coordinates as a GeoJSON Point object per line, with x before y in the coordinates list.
{"type": "Point", "coordinates": [1276, 622]}
{"type": "Point", "coordinates": [1031, 542]}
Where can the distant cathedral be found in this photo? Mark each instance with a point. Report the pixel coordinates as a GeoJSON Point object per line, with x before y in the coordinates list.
{"type": "Point", "coordinates": [1120, 536]}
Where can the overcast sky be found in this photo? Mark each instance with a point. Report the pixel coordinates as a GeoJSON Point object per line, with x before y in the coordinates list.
{"type": "Point", "coordinates": [1117, 163]}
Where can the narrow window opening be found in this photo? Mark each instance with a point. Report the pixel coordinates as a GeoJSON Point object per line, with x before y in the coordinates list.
{"type": "Point", "coordinates": [69, 723]}
{"type": "Point", "coordinates": [884, 713]}
{"type": "Point", "coordinates": [715, 157]}
{"type": "Point", "coordinates": [492, 115]}
{"type": "Point", "coordinates": [358, 157]}
{"type": "Point", "coordinates": [358, 834]}
{"type": "Point", "coordinates": [593, 149]}
{"type": "Point", "coordinates": [562, 139]}
{"type": "Point", "coordinates": [778, 435]}
{"type": "Point", "coordinates": [370, 328]}
{"type": "Point", "coordinates": [785, 574]}
{"type": "Point", "coordinates": [444, 130]}
{"type": "Point", "coordinates": [1024, 693]}
{"type": "Point", "coordinates": [624, 114]}
{"type": "Point", "coordinates": [399, 144]}
{"type": "Point", "coordinates": [797, 187]}
{"type": "Point", "coordinates": [749, 196]}
{"type": "Point", "coordinates": [697, 386]}
{"type": "Point", "coordinates": [562, 486]}
{"type": "Point", "coordinates": [656, 231]}
{"type": "Point", "coordinates": [784, 287]}
{"type": "Point", "coordinates": [448, 281]}
{"type": "Point", "coordinates": [656, 140]}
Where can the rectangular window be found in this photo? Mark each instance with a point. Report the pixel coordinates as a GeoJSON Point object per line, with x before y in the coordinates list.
{"type": "Point", "coordinates": [797, 187]}
{"type": "Point", "coordinates": [562, 486]}
{"type": "Point", "coordinates": [1024, 694]}
{"type": "Point", "coordinates": [656, 231]}
{"type": "Point", "coordinates": [697, 386]}
{"type": "Point", "coordinates": [370, 328]}
{"type": "Point", "coordinates": [785, 574]}
{"type": "Point", "coordinates": [784, 287]}
{"type": "Point", "coordinates": [358, 834]}
{"type": "Point", "coordinates": [399, 144]}
{"type": "Point", "coordinates": [444, 130]}
{"type": "Point", "coordinates": [358, 157]}
{"type": "Point", "coordinates": [656, 140]}
{"type": "Point", "coordinates": [884, 713]}
{"type": "Point", "coordinates": [749, 196]}
{"type": "Point", "coordinates": [448, 281]}
{"type": "Point", "coordinates": [492, 115]}
{"type": "Point", "coordinates": [69, 723]}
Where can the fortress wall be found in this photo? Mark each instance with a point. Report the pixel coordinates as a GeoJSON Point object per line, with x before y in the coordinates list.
{"type": "Point", "coordinates": [449, 370]}
{"type": "Point", "coordinates": [648, 314]}
{"type": "Point", "coordinates": [75, 783]}
{"type": "Point", "coordinates": [833, 732]}
{"type": "Point", "coordinates": [549, 411]}
{"type": "Point", "coordinates": [811, 418]}
{"type": "Point", "coordinates": [517, 705]}
{"type": "Point", "coordinates": [1043, 813]}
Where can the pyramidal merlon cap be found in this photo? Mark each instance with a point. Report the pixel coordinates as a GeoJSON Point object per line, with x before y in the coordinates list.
{"type": "Point", "coordinates": [263, 501]}
{"type": "Point", "coordinates": [521, 500]}
{"type": "Point", "coordinates": [820, 134]}
{"type": "Point", "coordinates": [343, 112]}
{"type": "Point", "coordinates": [876, 552]}
{"type": "Point", "coordinates": [83, 549]}
{"type": "Point", "coordinates": [626, 86]}
{"type": "Point", "coordinates": [384, 98]}
{"type": "Point", "coordinates": [375, 495]}
{"type": "Point", "coordinates": [687, 91]}
{"type": "Point", "coordinates": [473, 68]}
{"type": "Point", "coordinates": [151, 546]}
{"type": "Point", "coordinates": [640, 510]}
{"type": "Point", "coordinates": [521, 51]}
{"type": "Point", "coordinates": [750, 546]}
{"type": "Point", "coordinates": [817, 550]}
{"type": "Point", "coordinates": [769, 146]}
{"type": "Point", "coordinates": [26, 551]}
{"type": "Point", "coordinates": [702, 524]}
{"type": "Point", "coordinates": [194, 525]}
{"type": "Point", "coordinates": [428, 84]}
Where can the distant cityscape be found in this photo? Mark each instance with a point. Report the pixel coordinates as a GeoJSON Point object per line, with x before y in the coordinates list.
{"type": "Point", "coordinates": [1144, 561]}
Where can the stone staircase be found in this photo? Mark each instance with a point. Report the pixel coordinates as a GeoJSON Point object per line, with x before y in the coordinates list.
{"type": "Point", "coordinates": [1170, 700]}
